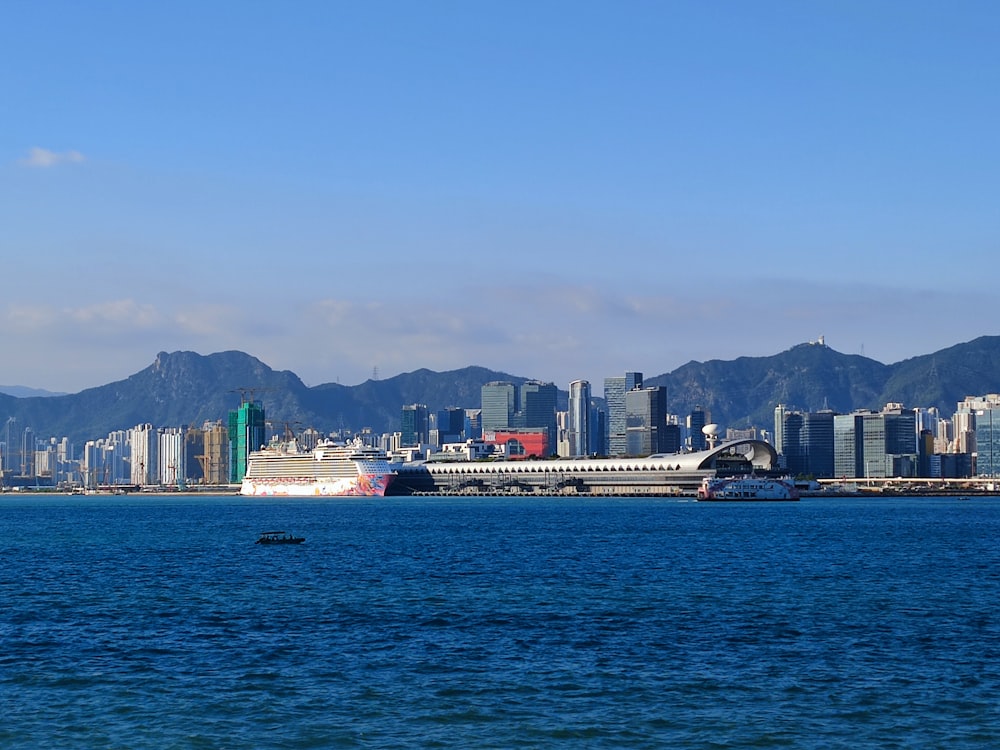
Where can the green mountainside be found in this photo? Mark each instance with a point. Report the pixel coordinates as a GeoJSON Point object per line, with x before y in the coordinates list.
{"type": "Point", "coordinates": [188, 388]}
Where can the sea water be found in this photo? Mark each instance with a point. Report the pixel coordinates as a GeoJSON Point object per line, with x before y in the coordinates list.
{"type": "Point", "coordinates": [142, 622]}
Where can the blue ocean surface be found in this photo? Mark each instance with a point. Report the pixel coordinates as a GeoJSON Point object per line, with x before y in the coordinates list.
{"type": "Point", "coordinates": [156, 622]}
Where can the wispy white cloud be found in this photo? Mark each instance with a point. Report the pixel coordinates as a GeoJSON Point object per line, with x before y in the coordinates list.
{"type": "Point", "coordinates": [124, 313]}
{"type": "Point", "coordinates": [43, 158]}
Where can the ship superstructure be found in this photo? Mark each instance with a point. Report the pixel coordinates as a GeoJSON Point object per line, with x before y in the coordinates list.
{"type": "Point", "coordinates": [330, 470]}
{"type": "Point", "coordinates": [747, 488]}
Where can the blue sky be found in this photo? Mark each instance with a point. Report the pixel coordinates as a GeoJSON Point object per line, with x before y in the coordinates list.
{"type": "Point", "coordinates": [558, 190]}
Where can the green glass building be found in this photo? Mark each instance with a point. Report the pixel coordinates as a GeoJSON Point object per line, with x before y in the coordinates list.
{"type": "Point", "coordinates": [247, 433]}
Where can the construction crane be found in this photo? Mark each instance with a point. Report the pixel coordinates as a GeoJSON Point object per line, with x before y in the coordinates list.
{"type": "Point", "coordinates": [289, 429]}
{"type": "Point", "coordinates": [244, 390]}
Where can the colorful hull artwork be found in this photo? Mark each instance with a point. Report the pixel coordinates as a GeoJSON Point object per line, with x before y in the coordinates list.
{"type": "Point", "coordinates": [363, 486]}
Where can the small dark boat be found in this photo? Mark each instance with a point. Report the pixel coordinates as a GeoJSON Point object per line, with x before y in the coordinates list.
{"type": "Point", "coordinates": [279, 537]}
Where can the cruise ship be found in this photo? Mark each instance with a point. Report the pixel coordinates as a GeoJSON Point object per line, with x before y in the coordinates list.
{"type": "Point", "coordinates": [329, 470]}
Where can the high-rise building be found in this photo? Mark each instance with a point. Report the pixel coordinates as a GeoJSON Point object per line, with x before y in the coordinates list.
{"type": "Point", "coordinates": [415, 428]}
{"type": "Point", "coordinates": [848, 457]}
{"type": "Point", "coordinates": [615, 389]}
{"type": "Point", "coordinates": [247, 432]}
{"type": "Point", "coordinates": [499, 405]}
{"type": "Point", "coordinates": [143, 444]}
{"type": "Point", "coordinates": [902, 454]}
{"type": "Point", "coordinates": [646, 421]}
{"type": "Point", "coordinates": [987, 442]}
{"type": "Point", "coordinates": [598, 430]}
{"type": "Point", "coordinates": [449, 424]}
{"type": "Point", "coordinates": [473, 424]}
{"type": "Point", "coordinates": [875, 445]}
{"type": "Point", "coordinates": [171, 456]}
{"type": "Point", "coordinates": [578, 432]}
{"type": "Point", "coordinates": [779, 427]}
{"type": "Point", "coordinates": [804, 442]}
{"type": "Point", "coordinates": [671, 442]}
{"type": "Point", "coordinates": [538, 408]}
{"type": "Point", "coordinates": [696, 421]}
{"type": "Point", "coordinates": [816, 444]}
{"type": "Point", "coordinates": [214, 458]}
{"type": "Point", "coordinates": [27, 452]}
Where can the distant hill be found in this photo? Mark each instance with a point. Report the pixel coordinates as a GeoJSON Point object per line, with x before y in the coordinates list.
{"type": "Point", "coordinates": [185, 388]}
{"type": "Point", "coordinates": [21, 391]}
{"type": "Point", "coordinates": [188, 388]}
{"type": "Point", "coordinates": [810, 377]}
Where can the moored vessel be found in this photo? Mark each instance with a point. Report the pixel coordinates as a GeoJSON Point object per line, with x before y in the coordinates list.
{"type": "Point", "coordinates": [747, 488]}
{"type": "Point", "coordinates": [329, 470]}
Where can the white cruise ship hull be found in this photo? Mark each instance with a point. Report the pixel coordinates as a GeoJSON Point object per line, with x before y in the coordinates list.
{"type": "Point", "coordinates": [362, 486]}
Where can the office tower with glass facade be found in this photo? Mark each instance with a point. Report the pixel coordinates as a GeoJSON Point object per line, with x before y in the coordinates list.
{"type": "Point", "coordinates": [902, 454]}
{"type": "Point", "coordinates": [450, 425]}
{"type": "Point", "coordinates": [646, 421]}
{"type": "Point", "coordinates": [598, 430]}
{"type": "Point", "coordinates": [987, 442]}
{"type": "Point", "coordinates": [578, 423]}
{"type": "Point", "coordinates": [537, 408]}
{"type": "Point", "coordinates": [415, 428]}
{"type": "Point", "coordinates": [876, 445]}
{"type": "Point", "coordinates": [816, 445]}
{"type": "Point", "coordinates": [615, 389]}
{"type": "Point", "coordinates": [499, 405]}
{"type": "Point", "coordinates": [848, 457]}
{"type": "Point", "coordinates": [473, 424]}
{"type": "Point", "coordinates": [779, 428]}
{"type": "Point", "coordinates": [696, 420]}
{"type": "Point", "coordinates": [804, 442]}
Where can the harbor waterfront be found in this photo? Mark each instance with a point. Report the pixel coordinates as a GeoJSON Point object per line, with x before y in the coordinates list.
{"type": "Point", "coordinates": [155, 621]}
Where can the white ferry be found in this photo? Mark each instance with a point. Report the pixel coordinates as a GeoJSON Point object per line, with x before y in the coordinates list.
{"type": "Point", "coordinates": [747, 488]}
{"type": "Point", "coordinates": [329, 470]}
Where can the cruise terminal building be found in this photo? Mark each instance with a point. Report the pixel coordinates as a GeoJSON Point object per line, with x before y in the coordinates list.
{"type": "Point", "coordinates": [660, 474]}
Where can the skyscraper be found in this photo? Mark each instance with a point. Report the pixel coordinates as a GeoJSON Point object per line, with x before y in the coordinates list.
{"type": "Point", "coordinates": [873, 445]}
{"type": "Point", "coordinates": [450, 424]}
{"type": "Point", "coordinates": [499, 402]}
{"type": "Point", "coordinates": [579, 418]}
{"type": "Point", "coordinates": [414, 425]}
{"type": "Point", "coordinates": [987, 442]}
{"type": "Point", "coordinates": [538, 408]}
{"type": "Point", "coordinates": [615, 389]}
{"type": "Point", "coordinates": [646, 421]}
{"type": "Point", "coordinates": [246, 433]}
{"type": "Point", "coordinates": [779, 428]}
{"type": "Point", "coordinates": [171, 458]}
{"type": "Point", "coordinates": [473, 424]}
{"type": "Point", "coordinates": [695, 422]}
{"type": "Point", "coordinates": [142, 445]}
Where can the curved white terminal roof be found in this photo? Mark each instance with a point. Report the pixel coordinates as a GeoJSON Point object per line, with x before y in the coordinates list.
{"type": "Point", "coordinates": [757, 452]}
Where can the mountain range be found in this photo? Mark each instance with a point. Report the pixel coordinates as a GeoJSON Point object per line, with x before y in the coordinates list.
{"type": "Point", "coordinates": [185, 388]}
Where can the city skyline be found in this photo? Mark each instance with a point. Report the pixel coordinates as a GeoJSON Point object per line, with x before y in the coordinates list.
{"type": "Point", "coordinates": [551, 189]}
